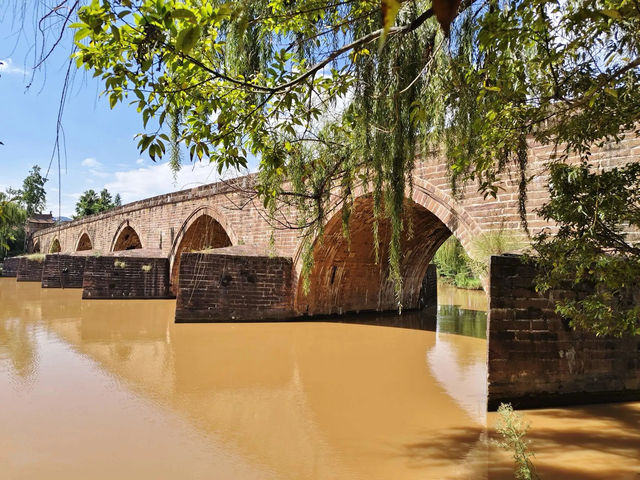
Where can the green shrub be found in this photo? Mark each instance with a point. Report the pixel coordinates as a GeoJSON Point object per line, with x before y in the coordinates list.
{"type": "Point", "coordinates": [36, 257]}
{"type": "Point", "coordinates": [454, 265]}
{"type": "Point", "coordinates": [513, 430]}
{"type": "Point", "coordinates": [119, 264]}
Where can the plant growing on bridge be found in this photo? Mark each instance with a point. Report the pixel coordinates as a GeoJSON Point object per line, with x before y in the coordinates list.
{"type": "Point", "coordinates": [596, 250]}
{"type": "Point", "coordinates": [119, 264]}
{"type": "Point", "coordinates": [36, 257]}
{"type": "Point", "coordinates": [310, 88]}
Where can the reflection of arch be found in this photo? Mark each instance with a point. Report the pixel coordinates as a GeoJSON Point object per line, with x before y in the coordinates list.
{"type": "Point", "coordinates": [84, 243]}
{"type": "Point", "coordinates": [345, 276]}
{"type": "Point", "coordinates": [126, 238]}
{"type": "Point", "coordinates": [55, 246]}
{"type": "Point", "coordinates": [200, 231]}
{"type": "Point", "coordinates": [36, 247]}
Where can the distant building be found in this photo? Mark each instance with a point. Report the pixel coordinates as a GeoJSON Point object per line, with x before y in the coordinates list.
{"type": "Point", "coordinates": [39, 221]}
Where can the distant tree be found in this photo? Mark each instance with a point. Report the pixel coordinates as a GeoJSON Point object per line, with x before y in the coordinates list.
{"type": "Point", "coordinates": [87, 204]}
{"type": "Point", "coordinates": [12, 217]}
{"type": "Point", "coordinates": [90, 203]}
{"type": "Point", "coordinates": [32, 196]}
{"type": "Point", "coordinates": [105, 202]}
{"type": "Point", "coordinates": [117, 201]}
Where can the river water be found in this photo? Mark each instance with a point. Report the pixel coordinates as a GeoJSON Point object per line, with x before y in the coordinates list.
{"type": "Point", "coordinates": [115, 390]}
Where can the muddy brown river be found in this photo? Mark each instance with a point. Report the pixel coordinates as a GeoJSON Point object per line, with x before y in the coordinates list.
{"type": "Point", "coordinates": [115, 390]}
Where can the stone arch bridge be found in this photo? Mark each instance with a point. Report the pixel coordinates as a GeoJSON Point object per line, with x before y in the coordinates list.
{"type": "Point", "coordinates": [214, 248]}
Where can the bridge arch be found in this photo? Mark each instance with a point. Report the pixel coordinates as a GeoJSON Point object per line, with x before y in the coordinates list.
{"type": "Point", "coordinates": [55, 246]}
{"type": "Point", "coordinates": [84, 243]}
{"type": "Point", "coordinates": [345, 276]}
{"type": "Point", "coordinates": [204, 228]}
{"type": "Point", "coordinates": [36, 247]}
{"type": "Point", "coordinates": [126, 238]}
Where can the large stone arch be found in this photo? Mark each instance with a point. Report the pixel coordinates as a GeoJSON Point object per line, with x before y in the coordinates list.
{"type": "Point", "coordinates": [55, 246]}
{"type": "Point", "coordinates": [204, 228]}
{"type": "Point", "coordinates": [345, 276]}
{"type": "Point", "coordinates": [84, 242]}
{"type": "Point", "coordinates": [126, 238]}
{"type": "Point", "coordinates": [459, 222]}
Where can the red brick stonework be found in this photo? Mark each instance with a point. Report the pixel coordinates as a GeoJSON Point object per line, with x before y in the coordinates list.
{"type": "Point", "coordinates": [30, 270]}
{"type": "Point", "coordinates": [536, 360]}
{"type": "Point", "coordinates": [63, 271]}
{"type": "Point", "coordinates": [126, 277]}
{"type": "Point", "coordinates": [10, 266]}
{"type": "Point", "coordinates": [233, 284]}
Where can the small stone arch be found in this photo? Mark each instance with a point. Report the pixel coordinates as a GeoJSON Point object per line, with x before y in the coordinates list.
{"type": "Point", "coordinates": [84, 243]}
{"type": "Point", "coordinates": [55, 246]}
{"type": "Point", "coordinates": [36, 247]}
{"type": "Point", "coordinates": [126, 238]}
{"type": "Point", "coordinates": [204, 228]}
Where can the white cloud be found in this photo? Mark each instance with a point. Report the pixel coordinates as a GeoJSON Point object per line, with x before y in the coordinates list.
{"type": "Point", "coordinates": [90, 162]}
{"type": "Point", "coordinates": [96, 169]}
{"type": "Point", "coordinates": [140, 161]}
{"type": "Point", "coordinates": [8, 67]}
{"type": "Point", "coordinates": [158, 179]}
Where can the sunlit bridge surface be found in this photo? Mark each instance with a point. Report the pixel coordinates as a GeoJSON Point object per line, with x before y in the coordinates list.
{"type": "Point", "coordinates": [114, 389]}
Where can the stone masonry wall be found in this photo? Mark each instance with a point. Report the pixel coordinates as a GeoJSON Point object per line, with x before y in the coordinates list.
{"type": "Point", "coordinates": [10, 266]}
{"type": "Point", "coordinates": [233, 284]}
{"type": "Point", "coordinates": [160, 221]}
{"type": "Point", "coordinates": [536, 360]}
{"type": "Point", "coordinates": [429, 290]}
{"type": "Point", "coordinates": [30, 270]}
{"type": "Point", "coordinates": [63, 271]}
{"type": "Point", "coordinates": [126, 277]}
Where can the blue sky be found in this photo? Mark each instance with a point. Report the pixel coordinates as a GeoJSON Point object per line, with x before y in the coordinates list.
{"type": "Point", "coordinates": [100, 145]}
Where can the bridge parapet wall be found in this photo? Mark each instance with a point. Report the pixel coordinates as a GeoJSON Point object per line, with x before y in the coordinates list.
{"type": "Point", "coordinates": [536, 360]}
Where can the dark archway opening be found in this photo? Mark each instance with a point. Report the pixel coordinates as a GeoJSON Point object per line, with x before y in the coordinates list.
{"type": "Point", "coordinates": [36, 247]}
{"type": "Point", "coordinates": [84, 243]}
{"type": "Point", "coordinates": [345, 275]}
{"type": "Point", "coordinates": [127, 240]}
{"type": "Point", "coordinates": [55, 247]}
{"type": "Point", "coordinates": [204, 233]}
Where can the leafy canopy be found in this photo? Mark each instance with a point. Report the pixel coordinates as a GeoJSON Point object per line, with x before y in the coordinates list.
{"type": "Point", "coordinates": [90, 202]}
{"type": "Point", "coordinates": [32, 196]}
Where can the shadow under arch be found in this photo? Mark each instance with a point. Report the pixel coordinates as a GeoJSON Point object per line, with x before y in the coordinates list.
{"type": "Point", "coordinates": [36, 247]}
{"type": "Point", "coordinates": [204, 228]}
{"type": "Point", "coordinates": [346, 276]}
{"type": "Point", "coordinates": [55, 246]}
{"type": "Point", "coordinates": [125, 238]}
{"type": "Point", "coordinates": [84, 243]}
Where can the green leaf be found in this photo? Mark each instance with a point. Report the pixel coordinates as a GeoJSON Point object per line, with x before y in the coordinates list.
{"type": "Point", "coordinates": [115, 32]}
{"type": "Point", "coordinates": [612, 14]}
{"type": "Point", "coordinates": [185, 14]}
{"type": "Point", "coordinates": [188, 38]}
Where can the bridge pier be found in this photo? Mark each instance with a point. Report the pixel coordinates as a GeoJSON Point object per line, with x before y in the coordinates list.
{"type": "Point", "coordinates": [234, 284]}
{"type": "Point", "coordinates": [63, 271]}
{"type": "Point", "coordinates": [126, 275]}
{"type": "Point", "coordinates": [10, 266]}
{"type": "Point", "coordinates": [30, 268]}
{"type": "Point", "coordinates": [536, 360]}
